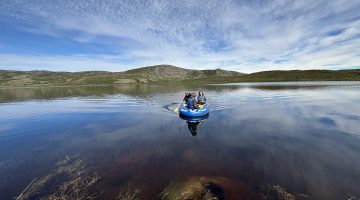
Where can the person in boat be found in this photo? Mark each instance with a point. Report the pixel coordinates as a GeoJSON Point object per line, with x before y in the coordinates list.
{"type": "Point", "coordinates": [201, 99]}
{"type": "Point", "coordinates": [186, 97]}
{"type": "Point", "coordinates": [191, 102]}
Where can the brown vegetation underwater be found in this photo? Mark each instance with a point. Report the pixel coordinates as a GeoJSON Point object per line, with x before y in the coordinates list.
{"type": "Point", "coordinates": [72, 179]}
{"type": "Point", "coordinates": [69, 180]}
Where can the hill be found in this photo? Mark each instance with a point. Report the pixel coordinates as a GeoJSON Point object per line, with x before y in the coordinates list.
{"type": "Point", "coordinates": [302, 75]}
{"type": "Point", "coordinates": [166, 74]}
{"type": "Point", "coordinates": [152, 74]}
{"type": "Point", "coordinates": [172, 72]}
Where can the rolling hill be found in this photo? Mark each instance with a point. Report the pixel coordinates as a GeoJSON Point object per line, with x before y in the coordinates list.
{"type": "Point", "coordinates": [162, 74]}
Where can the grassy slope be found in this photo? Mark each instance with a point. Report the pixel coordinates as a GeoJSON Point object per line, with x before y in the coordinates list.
{"type": "Point", "coordinates": [304, 75]}
{"type": "Point", "coordinates": [166, 74]}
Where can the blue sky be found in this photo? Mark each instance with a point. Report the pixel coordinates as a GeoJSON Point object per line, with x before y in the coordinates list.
{"type": "Point", "coordinates": [246, 36]}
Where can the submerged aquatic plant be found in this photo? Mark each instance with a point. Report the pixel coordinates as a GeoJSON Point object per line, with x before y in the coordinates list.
{"type": "Point", "coordinates": [69, 180]}
{"type": "Point", "coordinates": [128, 193]}
{"type": "Point", "coordinates": [276, 192]}
{"type": "Point", "coordinates": [196, 188]}
{"type": "Point", "coordinates": [219, 188]}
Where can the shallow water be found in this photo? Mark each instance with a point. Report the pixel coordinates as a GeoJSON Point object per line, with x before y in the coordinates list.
{"type": "Point", "coordinates": [304, 137]}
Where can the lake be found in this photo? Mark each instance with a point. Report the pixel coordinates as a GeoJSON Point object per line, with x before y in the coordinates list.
{"type": "Point", "coordinates": [260, 140]}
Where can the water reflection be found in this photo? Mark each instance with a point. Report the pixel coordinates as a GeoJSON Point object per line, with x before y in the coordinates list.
{"type": "Point", "coordinates": [193, 122]}
{"type": "Point", "coordinates": [148, 92]}
{"type": "Point", "coordinates": [304, 139]}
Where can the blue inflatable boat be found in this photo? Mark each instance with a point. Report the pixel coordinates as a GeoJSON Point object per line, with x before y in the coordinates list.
{"type": "Point", "coordinates": [195, 119]}
{"type": "Point", "coordinates": [183, 110]}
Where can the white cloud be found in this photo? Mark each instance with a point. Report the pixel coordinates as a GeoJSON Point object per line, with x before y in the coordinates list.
{"type": "Point", "coordinates": [246, 36]}
{"type": "Point", "coordinates": [60, 63]}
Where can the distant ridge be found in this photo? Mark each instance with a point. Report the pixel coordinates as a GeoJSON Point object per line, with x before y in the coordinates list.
{"type": "Point", "coordinates": [170, 71]}
{"type": "Point", "coordinates": [166, 74]}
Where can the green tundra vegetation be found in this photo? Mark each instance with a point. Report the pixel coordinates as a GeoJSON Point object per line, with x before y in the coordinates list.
{"type": "Point", "coordinates": [165, 74]}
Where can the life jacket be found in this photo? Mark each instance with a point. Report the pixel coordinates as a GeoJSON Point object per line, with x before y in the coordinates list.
{"type": "Point", "coordinates": [201, 99]}
{"type": "Point", "coordinates": [190, 103]}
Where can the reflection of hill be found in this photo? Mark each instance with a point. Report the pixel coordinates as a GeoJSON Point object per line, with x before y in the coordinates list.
{"type": "Point", "coordinates": [135, 90]}
{"type": "Point", "coordinates": [284, 85]}
{"type": "Point", "coordinates": [20, 94]}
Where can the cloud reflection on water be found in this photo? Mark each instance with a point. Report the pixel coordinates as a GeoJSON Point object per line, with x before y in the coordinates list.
{"type": "Point", "coordinates": [305, 139]}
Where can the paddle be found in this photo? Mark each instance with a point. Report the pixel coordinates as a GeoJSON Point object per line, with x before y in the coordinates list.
{"type": "Point", "coordinates": [177, 108]}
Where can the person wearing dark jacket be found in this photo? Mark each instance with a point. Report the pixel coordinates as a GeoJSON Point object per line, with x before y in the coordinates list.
{"type": "Point", "coordinates": [186, 97]}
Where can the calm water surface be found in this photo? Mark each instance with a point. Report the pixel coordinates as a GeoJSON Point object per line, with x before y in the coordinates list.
{"type": "Point", "coordinates": [304, 137]}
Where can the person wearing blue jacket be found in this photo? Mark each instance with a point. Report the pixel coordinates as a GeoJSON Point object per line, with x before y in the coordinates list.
{"type": "Point", "coordinates": [201, 99]}
{"type": "Point", "coordinates": [191, 102]}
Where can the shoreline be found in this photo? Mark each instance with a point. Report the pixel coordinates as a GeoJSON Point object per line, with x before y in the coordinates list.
{"type": "Point", "coordinates": [240, 83]}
